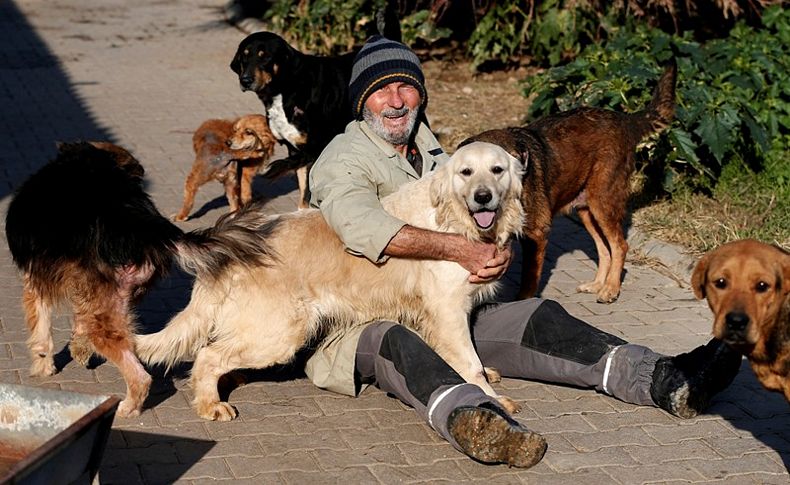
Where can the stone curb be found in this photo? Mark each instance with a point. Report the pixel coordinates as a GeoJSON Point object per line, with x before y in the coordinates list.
{"type": "Point", "coordinates": [672, 257]}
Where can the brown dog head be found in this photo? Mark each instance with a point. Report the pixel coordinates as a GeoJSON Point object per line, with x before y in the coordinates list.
{"type": "Point", "coordinates": [746, 283]}
{"type": "Point", "coordinates": [507, 138]}
{"type": "Point", "coordinates": [251, 132]}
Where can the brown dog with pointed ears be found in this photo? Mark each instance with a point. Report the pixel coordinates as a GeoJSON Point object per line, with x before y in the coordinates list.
{"type": "Point", "coordinates": [747, 285]}
{"type": "Point", "coordinates": [583, 159]}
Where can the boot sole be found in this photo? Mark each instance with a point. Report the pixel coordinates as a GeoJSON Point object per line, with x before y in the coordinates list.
{"type": "Point", "coordinates": [488, 437]}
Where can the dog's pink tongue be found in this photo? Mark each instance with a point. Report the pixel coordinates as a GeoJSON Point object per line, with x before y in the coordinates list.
{"type": "Point", "coordinates": [484, 219]}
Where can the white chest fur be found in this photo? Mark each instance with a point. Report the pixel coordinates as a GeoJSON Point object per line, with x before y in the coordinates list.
{"type": "Point", "coordinates": [278, 123]}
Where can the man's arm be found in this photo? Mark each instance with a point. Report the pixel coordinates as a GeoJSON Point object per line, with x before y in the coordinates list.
{"type": "Point", "coordinates": [483, 261]}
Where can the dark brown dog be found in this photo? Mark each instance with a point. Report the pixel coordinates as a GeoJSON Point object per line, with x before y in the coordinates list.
{"type": "Point", "coordinates": [747, 285]}
{"type": "Point", "coordinates": [83, 231]}
{"type": "Point", "coordinates": [582, 159]}
{"type": "Point", "coordinates": [230, 152]}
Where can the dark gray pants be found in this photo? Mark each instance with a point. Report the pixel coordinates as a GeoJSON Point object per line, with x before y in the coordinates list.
{"type": "Point", "coordinates": [530, 339]}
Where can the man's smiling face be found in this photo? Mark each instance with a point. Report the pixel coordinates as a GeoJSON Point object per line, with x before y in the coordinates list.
{"type": "Point", "coordinates": [391, 111]}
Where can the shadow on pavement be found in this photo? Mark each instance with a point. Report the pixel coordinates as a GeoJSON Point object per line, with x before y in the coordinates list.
{"type": "Point", "coordinates": [136, 457]}
{"type": "Point", "coordinates": [763, 414]}
{"type": "Point", "coordinates": [40, 103]}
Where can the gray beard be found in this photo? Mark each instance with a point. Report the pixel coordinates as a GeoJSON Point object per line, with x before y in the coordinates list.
{"type": "Point", "coordinates": [394, 138]}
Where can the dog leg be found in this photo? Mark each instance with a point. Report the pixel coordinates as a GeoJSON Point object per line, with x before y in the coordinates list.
{"type": "Point", "coordinates": [111, 336]}
{"type": "Point", "coordinates": [190, 189]}
{"type": "Point", "coordinates": [247, 174]}
{"type": "Point", "coordinates": [80, 348]}
{"type": "Point", "coordinates": [604, 259]}
{"type": "Point", "coordinates": [38, 315]}
{"type": "Point", "coordinates": [618, 248]}
{"type": "Point", "coordinates": [233, 191]}
{"type": "Point", "coordinates": [453, 342]}
{"type": "Point", "coordinates": [533, 251]}
{"type": "Point", "coordinates": [492, 375]}
{"type": "Point", "coordinates": [209, 366]}
{"type": "Point", "coordinates": [301, 178]}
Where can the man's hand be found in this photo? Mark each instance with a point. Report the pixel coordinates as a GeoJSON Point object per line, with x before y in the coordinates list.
{"type": "Point", "coordinates": [495, 267]}
{"type": "Point", "coordinates": [483, 261]}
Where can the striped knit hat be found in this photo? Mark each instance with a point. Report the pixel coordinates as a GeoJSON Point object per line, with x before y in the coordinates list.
{"type": "Point", "coordinates": [380, 62]}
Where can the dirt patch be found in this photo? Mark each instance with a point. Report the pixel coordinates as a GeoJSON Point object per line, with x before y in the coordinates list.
{"type": "Point", "coordinates": [463, 103]}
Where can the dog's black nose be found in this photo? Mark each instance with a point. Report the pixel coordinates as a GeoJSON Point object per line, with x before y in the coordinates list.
{"type": "Point", "coordinates": [228, 143]}
{"type": "Point", "coordinates": [246, 80]}
{"type": "Point", "coordinates": [736, 322]}
{"type": "Point", "coordinates": [482, 196]}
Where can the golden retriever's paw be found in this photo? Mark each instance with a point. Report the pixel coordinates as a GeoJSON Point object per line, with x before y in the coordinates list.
{"type": "Point", "coordinates": [509, 405]}
{"type": "Point", "coordinates": [608, 295]}
{"type": "Point", "coordinates": [217, 411]}
{"type": "Point", "coordinates": [43, 367]}
{"type": "Point", "coordinates": [589, 287]}
{"type": "Point", "coordinates": [492, 375]}
{"type": "Point", "coordinates": [81, 349]}
{"type": "Point", "coordinates": [128, 408]}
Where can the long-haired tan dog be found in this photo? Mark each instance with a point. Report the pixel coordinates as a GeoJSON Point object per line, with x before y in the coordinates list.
{"type": "Point", "coordinates": [747, 285]}
{"type": "Point", "coordinates": [256, 318]}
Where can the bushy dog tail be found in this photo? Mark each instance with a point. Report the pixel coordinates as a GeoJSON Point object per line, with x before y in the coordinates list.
{"type": "Point", "coordinates": [237, 239]}
{"type": "Point", "coordinates": [180, 340]}
{"type": "Point", "coordinates": [661, 110]}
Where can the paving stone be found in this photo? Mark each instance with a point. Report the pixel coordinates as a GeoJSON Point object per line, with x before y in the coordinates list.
{"type": "Point", "coordinates": [678, 471]}
{"type": "Point", "coordinates": [571, 462]}
{"type": "Point", "coordinates": [348, 475]}
{"type": "Point", "coordinates": [438, 471]}
{"type": "Point", "coordinates": [605, 439]}
{"type": "Point", "coordinates": [332, 459]}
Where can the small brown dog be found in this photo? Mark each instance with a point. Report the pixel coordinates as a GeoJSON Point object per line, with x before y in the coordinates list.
{"type": "Point", "coordinates": [230, 152]}
{"type": "Point", "coordinates": [747, 285]}
{"type": "Point", "coordinates": [583, 159]}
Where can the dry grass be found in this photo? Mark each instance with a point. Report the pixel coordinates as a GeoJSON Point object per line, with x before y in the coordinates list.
{"type": "Point", "coordinates": [700, 223]}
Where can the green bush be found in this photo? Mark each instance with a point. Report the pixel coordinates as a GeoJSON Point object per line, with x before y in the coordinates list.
{"type": "Point", "coordinates": [733, 94]}
{"type": "Point", "coordinates": [329, 27]}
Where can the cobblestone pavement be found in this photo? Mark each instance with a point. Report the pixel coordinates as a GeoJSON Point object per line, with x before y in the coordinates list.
{"type": "Point", "coordinates": [145, 74]}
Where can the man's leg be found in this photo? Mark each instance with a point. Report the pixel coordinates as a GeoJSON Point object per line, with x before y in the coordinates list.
{"type": "Point", "coordinates": [538, 339]}
{"type": "Point", "coordinates": [399, 362]}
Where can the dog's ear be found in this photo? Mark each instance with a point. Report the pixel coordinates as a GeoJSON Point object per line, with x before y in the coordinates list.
{"type": "Point", "coordinates": [524, 158]}
{"type": "Point", "coordinates": [439, 183]}
{"type": "Point", "coordinates": [699, 277]}
{"type": "Point", "coordinates": [785, 271]}
{"type": "Point", "coordinates": [516, 176]}
{"type": "Point", "coordinates": [235, 64]}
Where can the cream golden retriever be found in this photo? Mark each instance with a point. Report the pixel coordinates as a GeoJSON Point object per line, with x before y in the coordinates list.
{"type": "Point", "coordinates": [259, 316]}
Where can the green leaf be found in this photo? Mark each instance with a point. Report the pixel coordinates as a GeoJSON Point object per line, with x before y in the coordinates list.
{"type": "Point", "coordinates": [684, 145]}
{"type": "Point", "coordinates": [759, 134]}
{"type": "Point", "coordinates": [716, 131]}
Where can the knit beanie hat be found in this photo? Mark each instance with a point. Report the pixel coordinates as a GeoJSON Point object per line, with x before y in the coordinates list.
{"type": "Point", "coordinates": [380, 62]}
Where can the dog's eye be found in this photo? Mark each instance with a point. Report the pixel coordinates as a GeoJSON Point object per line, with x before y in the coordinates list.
{"type": "Point", "coordinates": [260, 53]}
{"type": "Point", "coordinates": [466, 172]}
{"type": "Point", "coordinates": [720, 283]}
{"type": "Point", "coordinates": [496, 170]}
{"type": "Point", "coordinates": [248, 132]}
{"type": "Point", "coordinates": [762, 287]}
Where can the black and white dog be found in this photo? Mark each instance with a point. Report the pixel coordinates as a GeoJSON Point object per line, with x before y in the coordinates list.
{"type": "Point", "coordinates": [305, 96]}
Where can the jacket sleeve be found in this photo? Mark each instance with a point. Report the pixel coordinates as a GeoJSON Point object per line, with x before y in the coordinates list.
{"type": "Point", "coordinates": [344, 190]}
